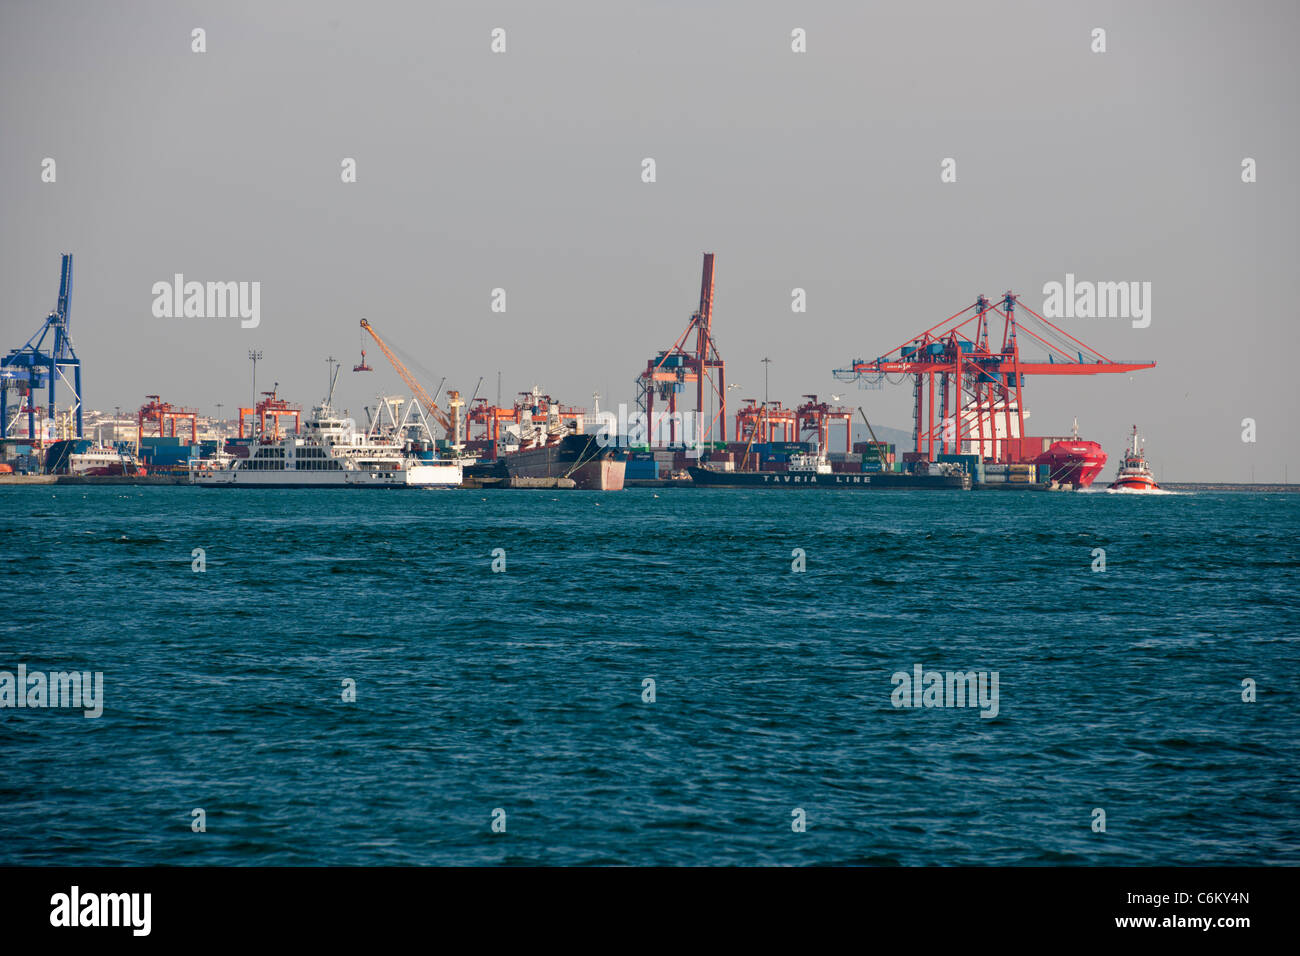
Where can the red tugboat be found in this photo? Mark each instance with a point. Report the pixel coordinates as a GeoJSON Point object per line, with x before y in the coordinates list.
{"type": "Point", "coordinates": [1134, 474]}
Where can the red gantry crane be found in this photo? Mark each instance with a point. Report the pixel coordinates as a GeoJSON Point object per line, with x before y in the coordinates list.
{"type": "Point", "coordinates": [164, 414]}
{"type": "Point", "coordinates": [817, 417]}
{"type": "Point", "coordinates": [491, 418]}
{"type": "Point", "coordinates": [669, 372]}
{"type": "Point", "coordinates": [272, 407]}
{"type": "Point", "coordinates": [974, 359]}
{"type": "Point", "coordinates": [760, 422]}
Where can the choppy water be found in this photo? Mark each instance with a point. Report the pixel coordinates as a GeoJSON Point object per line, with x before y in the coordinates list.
{"type": "Point", "coordinates": [523, 690]}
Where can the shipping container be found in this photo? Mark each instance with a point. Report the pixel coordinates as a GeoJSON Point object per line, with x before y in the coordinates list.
{"type": "Point", "coordinates": [642, 468]}
{"type": "Point", "coordinates": [1025, 449]}
{"type": "Point", "coordinates": [164, 456]}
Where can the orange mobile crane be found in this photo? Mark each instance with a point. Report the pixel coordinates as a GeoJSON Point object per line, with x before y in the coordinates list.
{"type": "Point", "coordinates": [421, 396]}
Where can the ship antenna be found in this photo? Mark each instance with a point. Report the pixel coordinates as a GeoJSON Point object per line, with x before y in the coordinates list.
{"type": "Point", "coordinates": [334, 377]}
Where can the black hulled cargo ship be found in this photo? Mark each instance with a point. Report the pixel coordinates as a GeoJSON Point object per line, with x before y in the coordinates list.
{"type": "Point", "coordinates": [808, 471]}
{"type": "Point", "coordinates": [591, 465]}
{"type": "Point", "coordinates": [777, 479]}
{"type": "Point", "coordinates": [905, 479]}
{"type": "Point", "coordinates": [804, 471]}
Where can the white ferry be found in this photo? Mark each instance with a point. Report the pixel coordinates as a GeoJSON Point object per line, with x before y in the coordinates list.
{"type": "Point", "coordinates": [332, 452]}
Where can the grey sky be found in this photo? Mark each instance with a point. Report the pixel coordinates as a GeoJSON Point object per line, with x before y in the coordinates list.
{"type": "Point", "coordinates": [522, 171]}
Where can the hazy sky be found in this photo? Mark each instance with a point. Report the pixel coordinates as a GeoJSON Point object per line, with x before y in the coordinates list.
{"type": "Point", "coordinates": [522, 171]}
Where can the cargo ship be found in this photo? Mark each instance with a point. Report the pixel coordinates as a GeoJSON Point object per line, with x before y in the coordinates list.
{"type": "Point", "coordinates": [1072, 463]}
{"type": "Point", "coordinates": [81, 456]}
{"type": "Point", "coordinates": [934, 474]}
{"type": "Point", "coordinates": [812, 471]}
{"type": "Point", "coordinates": [582, 458]}
{"type": "Point", "coordinates": [804, 471]}
{"type": "Point", "coordinates": [1134, 474]}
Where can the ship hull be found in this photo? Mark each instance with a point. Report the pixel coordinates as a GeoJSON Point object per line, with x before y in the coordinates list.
{"type": "Point", "coordinates": [1076, 463]}
{"type": "Point", "coordinates": [416, 476]}
{"type": "Point", "coordinates": [107, 471]}
{"type": "Point", "coordinates": [1134, 484]}
{"type": "Point", "coordinates": [777, 479]}
{"type": "Point", "coordinates": [579, 457]}
{"type": "Point", "coordinates": [898, 479]}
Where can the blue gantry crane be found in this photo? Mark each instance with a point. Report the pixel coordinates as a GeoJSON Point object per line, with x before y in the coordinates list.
{"type": "Point", "coordinates": [47, 358]}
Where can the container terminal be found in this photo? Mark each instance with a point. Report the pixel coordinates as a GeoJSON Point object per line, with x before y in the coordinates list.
{"type": "Point", "coordinates": [967, 376]}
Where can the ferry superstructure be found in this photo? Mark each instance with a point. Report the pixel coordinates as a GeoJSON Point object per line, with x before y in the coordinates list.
{"type": "Point", "coordinates": [331, 452]}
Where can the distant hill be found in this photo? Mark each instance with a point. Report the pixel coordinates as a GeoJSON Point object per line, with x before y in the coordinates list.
{"type": "Point", "coordinates": [894, 436]}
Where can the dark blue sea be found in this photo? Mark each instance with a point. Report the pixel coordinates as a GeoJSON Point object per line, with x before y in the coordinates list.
{"type": "Point", "coordinates": [522, 691]}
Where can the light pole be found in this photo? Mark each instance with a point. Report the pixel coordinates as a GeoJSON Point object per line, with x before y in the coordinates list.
{"type": "Point", "coordinates": [767, 363]}
{"type": "Point", "coordinates": [254, 356]}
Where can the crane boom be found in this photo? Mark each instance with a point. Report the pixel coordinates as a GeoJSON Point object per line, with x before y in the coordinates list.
{"type": "Point", "coordinates": [874, 440]}
{"type": "Point", "coordinates": [421, 396]}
